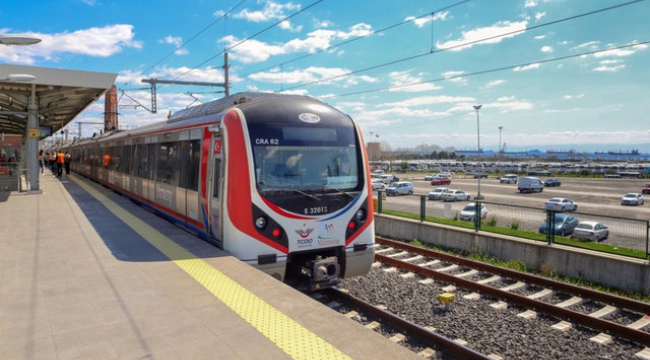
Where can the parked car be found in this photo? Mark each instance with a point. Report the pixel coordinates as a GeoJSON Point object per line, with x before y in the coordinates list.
{"type": "Point", "coordinates": [632, 199]}
{"type": "Point", "coordinates": [591, 230]}
{"type": "Point", "coordinates": [400, 188]}
{"type": "Point", "coordinates": [564, 225]}
{"type": "Point", "coordinates": [530, 184]}
{"type": "Point", "coordinates": [469, 211]}
{"type": "Point", "coordinates": [552, 182]}
{"type": "Point", "coordinates": [378, 184]}
{"type": "Point", "coordinates": [445, 175]}
{"type": "Point", "coordinates": [429, 177]}
{"type": "Point", "coordinates": [561, 204]}
{"type": "Point", "coordinates": [480, 175]}
{"type": "Point", "coordinates": [437, 192]}
{"type": "Point", "coordinates": [508, 179]}
{"type": "Point", "coordinates": [646, 189]}
{"type": "Point", "coordinates": [440, 181]}
{"type": "Point", "coordinates": [389, 178]}
{"type": "Point", "coordinates": [455, 195]}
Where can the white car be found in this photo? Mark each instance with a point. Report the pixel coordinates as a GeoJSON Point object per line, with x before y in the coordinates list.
{"type": "Point", "coordinates": [632, 199]}
{"type": "Point", "coordinates": [455, 195]}
{"type": "Point", "coordinates": [437, 192]}
{"type": "Point", "coordinates": [469, 211]}
{"type": "Point", "coordinates": [561, 204]}
{"type": "Point", "coordinates": [429, 177]}
{"type": "Point", "coordinates": [591, 230]}
{"type": "Point", "coordinates": [508, 179]}
{"type": "Point", "coordinates": [400, 188]}
{"type": "Point", "coordinates": [378, 184]}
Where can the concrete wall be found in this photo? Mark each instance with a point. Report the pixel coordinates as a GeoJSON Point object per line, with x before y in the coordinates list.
{"type": "Point", "coordinates": [613, 271]}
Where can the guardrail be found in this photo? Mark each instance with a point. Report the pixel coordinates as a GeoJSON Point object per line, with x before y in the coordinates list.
{"type": "Point", "coordinates": [627, 237]}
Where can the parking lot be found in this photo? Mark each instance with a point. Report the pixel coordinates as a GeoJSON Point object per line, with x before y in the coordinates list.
{"type": "Point", "coordinates": [598, 200]}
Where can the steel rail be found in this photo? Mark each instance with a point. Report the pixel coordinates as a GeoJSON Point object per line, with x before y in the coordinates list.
{"type": "Point", "coordinates": [429, 337]}
{"type": "Point", "coordinates": [611, 328]}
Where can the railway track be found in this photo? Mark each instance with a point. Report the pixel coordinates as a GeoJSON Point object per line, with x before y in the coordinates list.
{"type": "Point", "coordinates": [607, 319]}
{"type": "Point", "coordinates": [418, 260]}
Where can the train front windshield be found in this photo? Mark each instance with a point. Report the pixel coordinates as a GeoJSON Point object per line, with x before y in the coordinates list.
{"type": "Point", "coordinates": [308, 159]}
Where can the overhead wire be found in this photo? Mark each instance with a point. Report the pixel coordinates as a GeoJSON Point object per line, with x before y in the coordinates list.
{"type": "Point", "coordinates": [405, 59]}
{"type": "Point", "coordinates": [251, 37]}
{"type": "Point", "coordinates": [329, 48]}
{"type": "Point", "coordinates": [502, 68]}
{"type": "Point", "coordinates": [182, 45]}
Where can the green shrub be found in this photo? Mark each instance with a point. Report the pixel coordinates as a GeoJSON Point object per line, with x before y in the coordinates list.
{"type": "Point", "coordinates": [514, 225]}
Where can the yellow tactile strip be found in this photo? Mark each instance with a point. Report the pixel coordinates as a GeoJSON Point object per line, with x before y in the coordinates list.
{"type": "Point", "coordinates": [294, 339]}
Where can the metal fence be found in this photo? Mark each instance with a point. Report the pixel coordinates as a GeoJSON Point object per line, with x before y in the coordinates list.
{"type": "Point", "coordinates": [624, 233]}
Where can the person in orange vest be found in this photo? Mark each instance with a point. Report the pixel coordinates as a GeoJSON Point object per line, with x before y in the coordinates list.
{"type": "Point", "coordinates": [60, 159]}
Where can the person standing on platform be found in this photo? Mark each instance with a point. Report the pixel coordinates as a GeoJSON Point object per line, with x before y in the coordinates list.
{"type": "Point", "coordinates": [66, 162]}
{"type": "Point", "coordinates": [60, 159]}
{"type": "Point", "coordinates": [41, 162]}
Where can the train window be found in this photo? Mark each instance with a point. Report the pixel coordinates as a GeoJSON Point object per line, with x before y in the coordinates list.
{"type": "Point", "coordinates": [143, 160]}
{"type": "Point", "coordinates": [216, 179]}
{"type": "Point", "coordinates": [167, 162]}
{"type": "Point", "coordinates": [125, 164]}
{"type": "Point", "coordinates": [116, 156]}
{"type": "Point", "coordinates": [189, 174]}
{"type": "Point", "coordinates": [306, 167]}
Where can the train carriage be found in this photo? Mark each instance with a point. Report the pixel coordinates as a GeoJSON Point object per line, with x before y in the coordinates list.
{"type": "Point", "coordinates": [279, 181]}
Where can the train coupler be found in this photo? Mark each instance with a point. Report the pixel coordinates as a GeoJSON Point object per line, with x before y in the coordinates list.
{"type": "Point", "coordinates": [323, 272]}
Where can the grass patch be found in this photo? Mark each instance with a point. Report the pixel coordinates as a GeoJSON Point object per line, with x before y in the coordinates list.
{"type": "Point", "coordinates": [513, 230]}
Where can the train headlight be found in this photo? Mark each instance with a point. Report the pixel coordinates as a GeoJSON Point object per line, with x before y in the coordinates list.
{"type": "Point", "coordinates": [260, 222]}
{"type": "Point", "coordinates": [276, 233]}
{"type": "Point", "coordinates": [360, 215]}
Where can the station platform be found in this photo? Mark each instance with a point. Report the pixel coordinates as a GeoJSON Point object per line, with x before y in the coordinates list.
{"type": "Point", "coordinates": [87, 274]}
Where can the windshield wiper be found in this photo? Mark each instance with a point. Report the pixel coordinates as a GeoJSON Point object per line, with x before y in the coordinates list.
{"type": "Point", "coordinates": [307, 195]}
{"type": "Point", "coordinates": [339, 190]}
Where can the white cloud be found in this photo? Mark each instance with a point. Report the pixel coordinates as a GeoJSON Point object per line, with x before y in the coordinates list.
{"type": "Point", "coordinates": [606, 68]}
{"type": "Point", "coordinates": [405, 81]}
{"type": "Point", "coordinates": [176, 41]}
{"type": "Point", "coordinates": [309, 75]}
{"type": "Point", "coordinates": [487, 35]}
{"type": "Point", "coordinates": [527, 67]}
{"type": "Point", "coordinates": [253, 51]}
{"type": "Point", "coordinates": [494, 83]}
{"type": "Point", "coordinates": [428, 100]}
{"type": "Point", "coordinates": [271, 11]}
{"type": "Point", "coordinates": [95, 42]}
{"type": "Point", "coordinates": [420, 22]}
{"type": "Point", "coordinates": [571, 97]}
{"type": "Point", "coordinates": [547, 49]}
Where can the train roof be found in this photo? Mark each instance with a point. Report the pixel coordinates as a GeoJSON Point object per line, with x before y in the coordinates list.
{"type": "Point", "coordinates": [187, 117]}
{"type": "Point", "coordinates": [217, 106]}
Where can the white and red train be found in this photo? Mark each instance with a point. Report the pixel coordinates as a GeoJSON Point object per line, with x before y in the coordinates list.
{"type": "Point", "coordinates": [279, 181]}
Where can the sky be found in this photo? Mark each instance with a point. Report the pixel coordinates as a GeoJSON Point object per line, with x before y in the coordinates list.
{"type": "Point", "coordinates": [548, 74]}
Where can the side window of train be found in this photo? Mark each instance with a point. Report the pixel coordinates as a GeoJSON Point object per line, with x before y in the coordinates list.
{"type": "Point", "coordinates": [190, 155]}
{"type": "Point", "coordinates": [166, 163]}
{"type": "Point", "coordinates": [125, 164]}
{"type": "Point", "coordinates": [217, 178]}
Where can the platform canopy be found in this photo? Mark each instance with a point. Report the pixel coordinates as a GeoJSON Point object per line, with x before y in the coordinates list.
{"type": "Point", "coordinates": [60, 96]}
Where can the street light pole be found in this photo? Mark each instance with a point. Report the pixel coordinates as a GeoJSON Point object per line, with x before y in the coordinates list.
{"type": "Point", "coordinates": [478, 152]}
{"type": "Point", "coordinates": [500, 128]}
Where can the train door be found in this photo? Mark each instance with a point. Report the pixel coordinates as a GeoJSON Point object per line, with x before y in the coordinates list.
{"type": "Point", "coordinates": [215, 184]}
{"type": "Point", "coordinates": [188, 197]}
